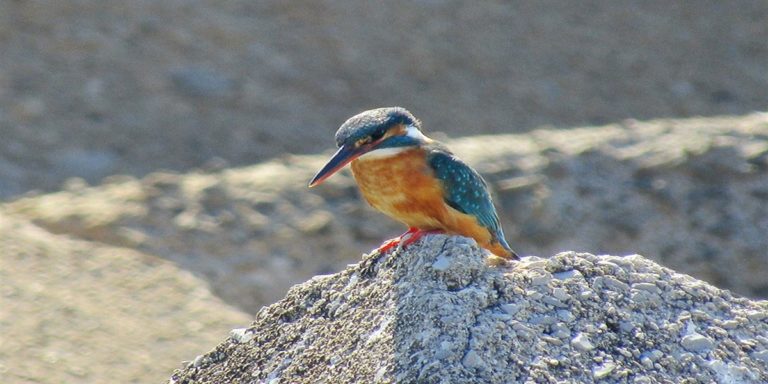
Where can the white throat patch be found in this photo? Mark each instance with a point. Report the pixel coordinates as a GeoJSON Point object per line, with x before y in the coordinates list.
{"type": "Point", "coordinates": [383, 153]}
{"type": "Point", "coordinates": [414, 132]}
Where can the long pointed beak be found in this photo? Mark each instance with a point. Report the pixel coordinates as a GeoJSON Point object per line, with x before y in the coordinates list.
{"type": "Point", "coordinates": [342, 157]}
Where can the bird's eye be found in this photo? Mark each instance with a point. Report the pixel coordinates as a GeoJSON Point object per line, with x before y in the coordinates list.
{"type": "Point", "coordinates": [376, 136]}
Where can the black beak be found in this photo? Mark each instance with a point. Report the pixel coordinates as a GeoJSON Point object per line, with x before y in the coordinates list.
{"type": "Point", "coordinates": [342, 157]}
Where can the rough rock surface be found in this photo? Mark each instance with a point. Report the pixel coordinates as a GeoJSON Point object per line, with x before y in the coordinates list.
{"type": "Point", "coordinates": [98, 87]}
{"type": "Point", "coordinates": [72, 311]}
{"type": "Point", "coordinates": [691, 194]}
{"type": "Point", "coordinates": [437, 313]}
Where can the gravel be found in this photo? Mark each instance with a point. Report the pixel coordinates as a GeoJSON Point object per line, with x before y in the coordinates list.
{"type": "Point", "coordinates": [395, 318]}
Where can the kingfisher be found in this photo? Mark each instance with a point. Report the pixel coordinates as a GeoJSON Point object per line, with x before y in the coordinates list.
{"type": "Point", "coordinates": [415, 180]}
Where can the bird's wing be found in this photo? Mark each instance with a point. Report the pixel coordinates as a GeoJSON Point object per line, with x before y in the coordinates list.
{"type": "Point", "coordinates": [464, 189]}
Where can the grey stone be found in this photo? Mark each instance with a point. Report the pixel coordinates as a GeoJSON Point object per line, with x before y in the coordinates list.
{"type": "Point", "coordinates": [241, 335]}
{"type": "Point", "coordinates": [473, 360]}
{"type": "Point", "coordinates": [761, 355]}
{"type": "Point", "coordinates": [611, 283]}
{"type": "Point", "coordinates": [565, 315]}
{"type": "Point", "coordinates": [560, 294]}
{"type": "Point", "coordinates": [697, 343]}
{"type": "Point", "coordinates": [649, 287]}
{"type": "Point", "coordinates": [581, 342]}
{"type": "Point", "coordinates": [570, 274]}
{"type": "Point", "coordinates": [602, 371]}
{"type": "Point", "coordinates": [757, 315]}
{"type": "Point", "coordinates": [511, 308]}
{"type": "Point", "coordinates": [541, 279]}
{"type": "Point", "coordinates": [441, 264]}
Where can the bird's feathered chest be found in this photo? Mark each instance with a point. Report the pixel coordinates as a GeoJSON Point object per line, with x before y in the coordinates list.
{"type": "Point", "coordinates": [402, 186]}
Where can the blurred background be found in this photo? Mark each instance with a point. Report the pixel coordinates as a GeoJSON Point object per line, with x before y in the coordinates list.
{"type": "Point", "coordinates": [154, 155]}
{"type": "Point", "coordinates": [94, 88]}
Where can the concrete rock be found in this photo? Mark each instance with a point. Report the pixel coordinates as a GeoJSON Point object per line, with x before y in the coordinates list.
{"type": "Point", "coordinates": [396, 318]}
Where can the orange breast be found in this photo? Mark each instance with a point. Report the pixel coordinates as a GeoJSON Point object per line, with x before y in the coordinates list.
{"type": "Point", "coordinates": [404, 187]}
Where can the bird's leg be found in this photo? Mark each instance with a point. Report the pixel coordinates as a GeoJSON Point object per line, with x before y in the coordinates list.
{"type": "Point", "coordinates": [416, 235]}
{"type": "Point", "coordinates": [409, 237]}
{"type": "Point", "coordinates": [389, 244]}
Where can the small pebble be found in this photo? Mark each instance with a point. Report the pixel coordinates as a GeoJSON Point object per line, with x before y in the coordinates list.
{"type": "Point", "coordinates": [565, 315]}
{"type": "Point", "coordinates": [761, 355]}
{"type": "Point", "coordinates": [648, 287]}
{"type": "Point", "coordinates": [697, 343]}
{"type": "Point", "coordinates": [602, 371]}
{"type": "Point", "coordinates": [441, 264]}
{"type": "Point", "coordinates": [560, 294]}
{"type": "Point", "coordinates": [757, 315]}
{"type": "Point", "coordinates": [511, 309]}
{"type": "Point", "coordinates": [472, 360]}
{"type": "Point", "coordinates": [570, 274]}
{"type": "Point", "coordinates": [542, 279]}
{"type": "Point", "coordinates": [582, 343]}
{"type": "Point", "coordinates": [241, 335]}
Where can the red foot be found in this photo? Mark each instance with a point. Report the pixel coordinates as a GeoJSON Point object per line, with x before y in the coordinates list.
{"type": "Point", "coordinates": [415, 236]}
{"type": "Point", "coordinates": [406, 239]}
{"type": "Point", "coordinates": [389, 244]}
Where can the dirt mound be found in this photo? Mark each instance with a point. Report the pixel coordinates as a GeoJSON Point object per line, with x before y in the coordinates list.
{"type": "Point", "coordinates": [690, 194]}
{"type": "Point", "coordinates": [75, 311]}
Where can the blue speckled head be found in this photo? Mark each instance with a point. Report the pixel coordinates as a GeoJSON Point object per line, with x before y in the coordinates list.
{"type": "Point", "coordinates": [366, 132]}
{"type": "Point", "coordinates": [374, 122]}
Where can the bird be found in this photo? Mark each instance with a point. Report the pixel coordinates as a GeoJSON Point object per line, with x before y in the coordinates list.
{"type": "Point", "coordinates": [415, 180]}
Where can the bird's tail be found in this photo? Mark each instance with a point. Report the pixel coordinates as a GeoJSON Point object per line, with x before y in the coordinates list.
{"type": "Point", "coordinates": [501, 248]}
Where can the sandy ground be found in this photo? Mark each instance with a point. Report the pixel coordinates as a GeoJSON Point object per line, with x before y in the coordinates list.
{"type": "Point", "coordinates": [77, 312]}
